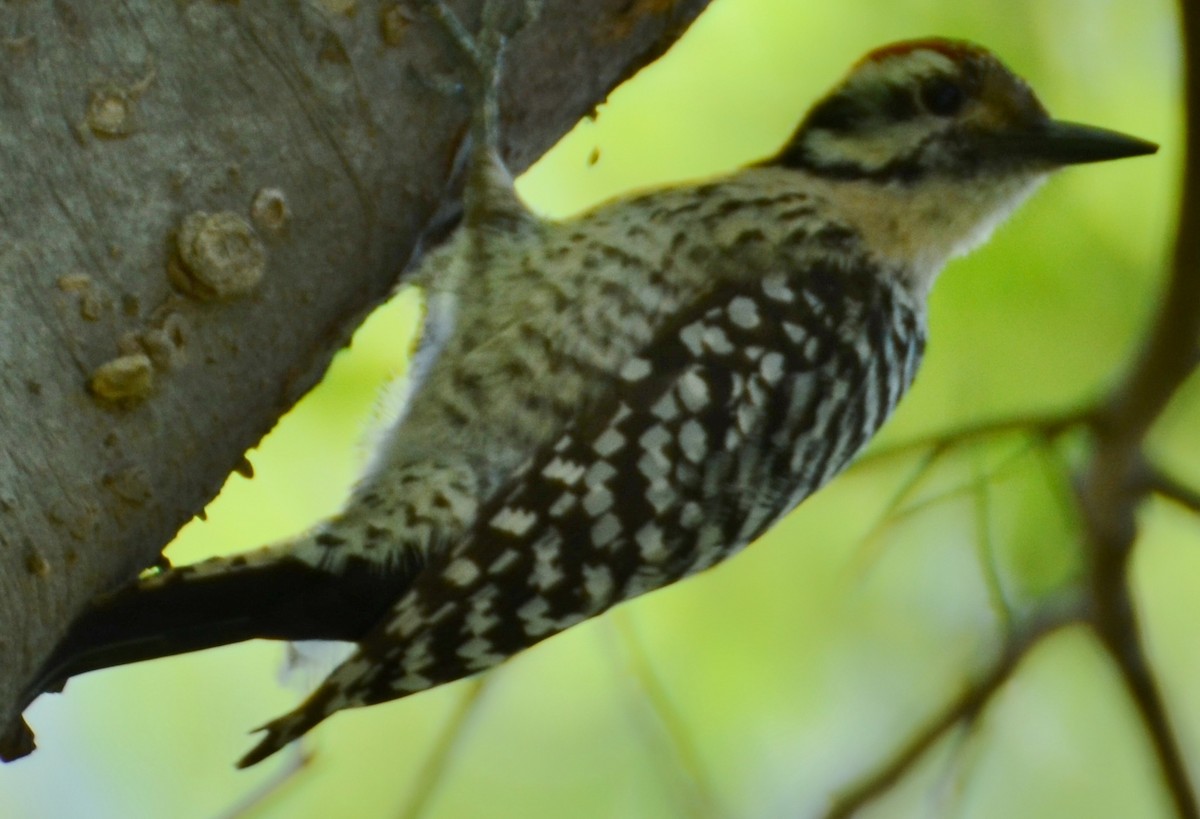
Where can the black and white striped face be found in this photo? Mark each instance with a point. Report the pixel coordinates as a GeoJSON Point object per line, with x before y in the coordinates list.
{"type": "Point", "coordinates": [915, 109]}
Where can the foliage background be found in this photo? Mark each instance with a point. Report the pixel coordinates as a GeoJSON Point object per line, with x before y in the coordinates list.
{"type": "Point", "coordinates": [763, 688]}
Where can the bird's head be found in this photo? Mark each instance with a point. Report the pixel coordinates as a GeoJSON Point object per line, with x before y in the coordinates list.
{"type": "Point", "coordinates": [934, 108]}
{"type": "Point", "coordinates": [927, 145]}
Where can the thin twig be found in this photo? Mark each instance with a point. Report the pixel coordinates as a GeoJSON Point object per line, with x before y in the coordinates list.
{"type": "Point", "coordinates": [969, 704]}
{"type": "Point", "coordinates": [867, 552]}
{"type": "Point", "coordinates": [1113, 481]}
{"type": "Point", "coordinates": [702, 800]}
{"type": "Point", "coordinates": [1044, 426]}
{"type": "Point", "coordinates": [987, 554]}
{"type": "Point", "coordinates": [895, 512]}
{"type": "Point", "coordinates": [298, 759]}
{"type": "Point", "coordinates": [438, 760]}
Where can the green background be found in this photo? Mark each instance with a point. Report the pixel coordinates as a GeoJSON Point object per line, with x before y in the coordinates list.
{"type": "Point", "coordinates": [761, 688]}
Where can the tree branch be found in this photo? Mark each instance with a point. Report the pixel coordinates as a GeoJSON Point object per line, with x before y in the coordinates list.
{"type": "Point", "coordinates": [1047, 426]}
{"type": "Point", "coordinates": [967, 706]}
{"type": "Point", "coordinates": [1114, 479]}
{"type": "Point", "coordinates": [1168, 487]}
{"type": "Point", "coordinates": [433, 772]}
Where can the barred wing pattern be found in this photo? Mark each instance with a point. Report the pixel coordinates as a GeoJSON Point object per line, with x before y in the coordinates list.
{"type": "Point", "coordinates": [770, 386]}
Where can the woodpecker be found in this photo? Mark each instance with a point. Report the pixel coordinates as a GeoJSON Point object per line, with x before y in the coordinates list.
{"type": "Point", "coordinates": [604, 405]}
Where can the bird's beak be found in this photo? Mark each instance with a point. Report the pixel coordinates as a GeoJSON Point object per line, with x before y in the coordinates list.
{"type": "Point", "coordinates": [1068, 143]}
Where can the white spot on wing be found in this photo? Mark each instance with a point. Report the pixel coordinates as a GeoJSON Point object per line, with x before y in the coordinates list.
{"type": "Point", "coordinates": [606, 530]}
{"type": "Point", "coordinates": [776, 287]}
{"type": "Point", "coordinates": [565, 471]}
{"type": "Point", "coordinates": [598, 584]}
{"type": "Point", "coordinates": [710, 549]}
{"type": "Point", "coordinates": [609, 442]}
{"type": "Point", "coordinates": [771, 367]}
{"type": "Point", "coordinates": [717, 341]}
{"type": "Point", "coordinates": [598, 501]}
{"type": "Point", "coordinates": [635, 369]}
{"type": "Point", "coordinates": [643, 580]}
{"type": "Point", "coordinates": [744, 313]}
{"type": "Point", "coordinates": [693, 391]}
{"type": "Point", "coordinates": [504, 562]}
{"type": "Point", "coordinates": [565, 503]}
{"type": "Point", "coordinates": [650, 542]}
{"type": "Point", "coordinates": [408, 618]}
{"type": "Point", "coordinates": [417, 654]}
{"type": "Point", "coordinates": [533, 614]}
{"type": "Point", "coordinates": [516, 522]}
{"type": "Point", "coordinates": [598, 474]}
{"type": "Point", "coordinates": [461, 572]}
{"type": "Point", "coordinates": [661, 496]}
{"type": "Point", "coordinates": [666, 408]}
{"type": "Point", "coordinates": [478, 653]}
{"type": "Point", "coordinates": [546, 571]}
{"type": "Point", "coordinates": [747, 418]}
{"type": "Point", "coordinates": [481, 618]}
{"type": "Point", "coordinates": [655, 438]}
{"type": "Point", "coordinates": [693, 441]}
{"type": "Point", "coordinates": [654, 465]}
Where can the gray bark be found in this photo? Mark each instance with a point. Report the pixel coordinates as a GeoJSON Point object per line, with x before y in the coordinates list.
{"type": "Point", "coordinates": [127, 395]}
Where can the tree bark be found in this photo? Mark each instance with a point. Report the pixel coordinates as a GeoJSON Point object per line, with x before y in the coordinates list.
{"type": "Point", "coordinates": [155, 160]}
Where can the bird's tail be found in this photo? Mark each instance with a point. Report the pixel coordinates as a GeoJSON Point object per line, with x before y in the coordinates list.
{"type": "Point", "coordinates": [261, 594]}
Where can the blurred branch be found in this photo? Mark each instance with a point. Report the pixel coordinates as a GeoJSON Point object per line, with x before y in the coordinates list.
{"type": "Point", "coordinates": [1174, 490]}
{"type": "Point", "coordinates": [969, 704]}
{"type": "Point", "coordinates": [298, 760]}
{"type": "Point", "coordinates": [438, 761]}
{"type": "Point", "coordinates": [1044, 426]}
{"type": "Point", "coordinates": [987, 555]}
{"type": "Point", "coordinates": [1114, 480]}
{"type": "Point", "coordinates": [898, 509]}
{"type": "Point", "coordinates": [702, 800]}
{"type": "Point", "coordinates": [869, 547]}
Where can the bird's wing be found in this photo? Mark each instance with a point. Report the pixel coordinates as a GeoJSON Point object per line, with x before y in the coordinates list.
{"type": "Point", "coordinates": [692, 454]}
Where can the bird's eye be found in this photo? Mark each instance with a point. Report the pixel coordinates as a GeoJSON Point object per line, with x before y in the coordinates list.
{"type": "Point", "coordinates": [943, 97]}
